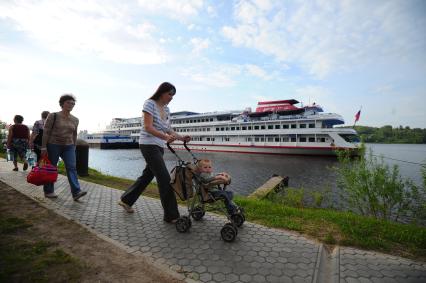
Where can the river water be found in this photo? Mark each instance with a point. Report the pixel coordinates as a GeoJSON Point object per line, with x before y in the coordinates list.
{"type": "Point", "coordinates": [249, 171]}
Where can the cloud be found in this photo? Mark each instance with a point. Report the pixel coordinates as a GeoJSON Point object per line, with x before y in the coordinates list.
{"type": "Point", "coordinates": [180, 10]}
{"type": "Point", "coordinates": [325, 37]}
{"type": "Point", "coordinates": [86, 27]}
{"type": "Point", "coordinates": [257, 71]}
{"type": "Point", "coordinates": [199, 44]}
{"type": "Point", "coordinates": [213, 75]}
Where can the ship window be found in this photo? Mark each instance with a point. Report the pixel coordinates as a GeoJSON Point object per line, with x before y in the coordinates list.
{"type": "Point", "coordinates": [302, 126]}
{"type": "Point", "coordinates": [350, 137]}
{"type": "Point", "coordinates": [256, 139]}
{"type": "Point", "coordinates": [256, 127]}
{"type": "Point", "coordinates": [311, 125]}
{"type": "Point", "coordinates": [277, 126]}
{"type": "Point", "coordinates": [208, 139]}
{"type": "Point", "coordinates": [222, 129]}
{"type": "Point", "coordinates": [217, 129]}
{"type": "Point", "coordinates": [277, 139]}
{"type": "Point", "coordinates": [311, 139]}
{"type": "Point", "coordinates": [302, 139]}
{"type": "Point", "coordinates": [320, 139]}
{"type": "Point", "coordinates": [238, 128]}
{"type": "Point", "coordinates": [208, 129]}
{"type": "Point", "coordinates": [270, 139]}
{"type": "Point", "coordinates": [212, 139]}
{"type": "Point", "coordinates": [270, 127]}
{"type": "Point", "coordinates": [284, 139]}
{"type": "Point", "coordinates": [262, 127]}
{"type": "Point", "coordinates": [293, 126]}
{"type": "Point", "coordinates": [285, 126]}
{"type": "Point", "coordinates": [293, 139]}
{"type": "Point", "coordinates": [249, 127]}
{"type": "Point", "coordinates": [244, 128]}
{"type": "Point", "coordinates": [226, 139]}
{"type": "Point", "coordinates": [248, 139]}
{"type": "Point", "coordinates": [227, 129]}
{"type": "Point", "coordinates": [232, 128]}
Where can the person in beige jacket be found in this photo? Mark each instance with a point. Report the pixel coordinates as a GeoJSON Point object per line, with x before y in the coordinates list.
{"type": "Point", "coordinates": [59, 140]}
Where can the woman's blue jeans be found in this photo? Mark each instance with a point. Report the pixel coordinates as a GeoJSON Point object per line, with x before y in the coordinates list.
{"type": "Point", "coordinates": [67, 153]}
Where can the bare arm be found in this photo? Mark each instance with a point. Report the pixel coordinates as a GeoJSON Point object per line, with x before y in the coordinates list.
{"type": "Point", "coordinates": [47, 130]}
{"type": "Point", "coordinates": [179, 137]}
{"type": "Point", "coordinates": [10, 137]}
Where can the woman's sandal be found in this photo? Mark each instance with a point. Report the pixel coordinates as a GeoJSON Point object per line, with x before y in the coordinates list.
{"type": "Point", "coordinates": [126, 207]}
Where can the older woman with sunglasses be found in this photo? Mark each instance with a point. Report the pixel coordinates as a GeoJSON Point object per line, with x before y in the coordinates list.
{"type": "Point", "coordinates": [155, 132]}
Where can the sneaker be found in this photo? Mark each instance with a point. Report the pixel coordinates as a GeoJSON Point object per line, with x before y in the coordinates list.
{"type": "Point", "coordinates": [79, 195]}
{"type": "Point", "coordinates": [50, 195]}
{"type": "Point", "coordinates": [126, 207]}
{"type": "Point", "coordinates": [25, 166]}
{"type": "Point", "coordinates": [15, 169]}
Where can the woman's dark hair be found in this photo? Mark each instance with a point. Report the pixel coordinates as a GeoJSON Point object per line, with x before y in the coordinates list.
{"type": "Point", "coordinates": [163, 88]}
{"type": "Point", "coordinates": [18, 119]}
{"type": "Point", "coordinates": [44, 114]}
{"type": "Point", "coordinates": [66, 97]}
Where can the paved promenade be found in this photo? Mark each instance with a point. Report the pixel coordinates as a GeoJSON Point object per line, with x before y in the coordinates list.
{"type": "Point", "coordinates": [259, 254]}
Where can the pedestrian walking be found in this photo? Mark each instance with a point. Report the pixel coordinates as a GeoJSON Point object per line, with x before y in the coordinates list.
{"type": "Point", "coordinates": [59, 140]}
{"type": "Point", "coordinates": [155, 132]}
{"type": "Point", "coordinates": [36, 137]}
{"type": "Point", "coordinates": [18, 141]}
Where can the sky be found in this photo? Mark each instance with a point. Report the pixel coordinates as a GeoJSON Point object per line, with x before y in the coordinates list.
{"type": "Point", "coordinates": [220, 54]}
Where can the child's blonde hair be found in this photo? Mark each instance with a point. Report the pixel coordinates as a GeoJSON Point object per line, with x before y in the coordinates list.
{"type": "Point", "coordinates": [202, 162]}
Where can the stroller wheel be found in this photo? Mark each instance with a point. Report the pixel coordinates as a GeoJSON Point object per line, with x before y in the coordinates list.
{"type": "Point", "coordinates": [197, 213]}
{"type": "Point", "coordinates": [238, 219]}
{"type": "Point", "coordinates": [183, 224]}
{"type": "Point", "coordinates": [228, 232]}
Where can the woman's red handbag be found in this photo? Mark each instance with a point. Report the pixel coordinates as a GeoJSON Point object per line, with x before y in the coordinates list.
{"type": "Point", "coordinates": [43, 173]}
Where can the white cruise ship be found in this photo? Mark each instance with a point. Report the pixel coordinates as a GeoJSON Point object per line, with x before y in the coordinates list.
{"type": "Point", "coordinates": [276, 127]}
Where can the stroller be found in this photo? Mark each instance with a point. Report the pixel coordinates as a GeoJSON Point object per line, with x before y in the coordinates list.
{"type": "Point", "coordinates": [189, 187]}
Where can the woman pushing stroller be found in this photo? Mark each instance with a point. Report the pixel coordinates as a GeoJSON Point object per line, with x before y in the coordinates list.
{"type": "Point", "coordinates": [155, 132]}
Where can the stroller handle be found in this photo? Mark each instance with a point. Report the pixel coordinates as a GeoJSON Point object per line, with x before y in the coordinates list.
{"type": "Point", "coordinates": [186, 147]}
{"type": "Point", "coordinates": [173, 151]}
{"type": "Point", "coordinates": [170, 148]}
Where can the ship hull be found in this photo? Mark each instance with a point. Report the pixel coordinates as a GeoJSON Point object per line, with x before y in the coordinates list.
{"type": "Point", "coordinates": [116, 145]}
{"type": "Point", "coordinates": [274, 150]}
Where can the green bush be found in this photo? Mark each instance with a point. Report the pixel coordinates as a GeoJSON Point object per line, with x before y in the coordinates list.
{"type": "Point", "coordinates": [372, 188]}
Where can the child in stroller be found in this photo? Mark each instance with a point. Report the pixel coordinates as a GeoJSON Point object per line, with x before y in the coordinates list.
{"type": "Point", "coordinates": [204, 170]}
{"type": "Point", "coordinates": [195, 183]}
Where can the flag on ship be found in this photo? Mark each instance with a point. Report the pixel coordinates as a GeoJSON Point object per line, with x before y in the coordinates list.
{"type": "Point", "coordinates": [357, 115]}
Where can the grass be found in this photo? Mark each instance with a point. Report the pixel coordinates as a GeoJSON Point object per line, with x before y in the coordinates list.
{"type": "Point", "coordinates": [338, 227]}
{"type": "Point", "coordinates": [34, 260]}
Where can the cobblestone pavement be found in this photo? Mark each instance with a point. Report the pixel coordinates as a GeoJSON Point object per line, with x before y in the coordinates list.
{"type": "Point", "coordinates": [259, 254]}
